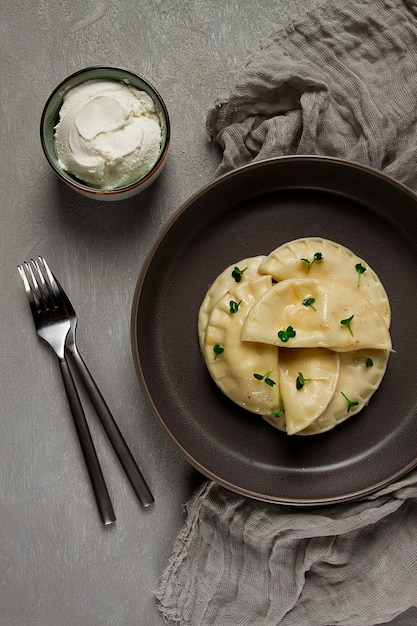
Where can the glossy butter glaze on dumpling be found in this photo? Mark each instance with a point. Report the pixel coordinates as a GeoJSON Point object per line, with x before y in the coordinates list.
{"type": "Point", "coordinates": [232, 363]}
{"type": "Point", "coordinates": [234, 275]}
{"type": "Point", "coordinates": [307, 381]}
{"type": "Point", "coordinates": [360, 375]}
{"type": "Point", "coordinates": [320, 314]}
{"type": "Point", "coordinates": [296, 259]}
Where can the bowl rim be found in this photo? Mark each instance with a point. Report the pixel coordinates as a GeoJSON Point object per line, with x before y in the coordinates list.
{"type": "Point", "coordinates": [80, 186]}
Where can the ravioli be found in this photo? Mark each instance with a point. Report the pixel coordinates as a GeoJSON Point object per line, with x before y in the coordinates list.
{"type": "Point", "coordinates": [296, 259]}
{"type": "Point", "coordinates": [225, 281]}
{"type": "Point", "coordinates": [232, 363]}
{"type": "Point", "coordinates": [320, 313]}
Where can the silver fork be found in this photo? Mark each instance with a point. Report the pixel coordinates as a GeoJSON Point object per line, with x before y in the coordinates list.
{"type": "Point", "coordinates": [52, 325]}
{"type": "Point", "coordinates": [109, 424]}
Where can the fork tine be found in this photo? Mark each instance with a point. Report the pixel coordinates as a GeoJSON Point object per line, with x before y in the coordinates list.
{"type": "Point", "coordinates": [51, 280]}
{"type": "Point", "coordinates": [36, 269]}
{"type": "Point", "coordinates": [34, 285]}
{"type": "Point", "coordinates": [57, 287]}
{"type": "Point", "coordinates": [46, 294]}
{"type": "Point", "coordinates": [33, 301]}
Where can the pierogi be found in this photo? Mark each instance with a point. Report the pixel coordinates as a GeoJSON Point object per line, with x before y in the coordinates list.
{"type": "Point", "coordinates": [231, 361]}
{"type": "Point", "coordinates": [325, 314]}
{"type": "Point", "coordinates": [247, 269]}
{"type": "Point", "coordinates": [300, 337]}
{"type": "Point", "coordinates": [296, 259]}
{"type": "Point", "coordinates": [306, 401]}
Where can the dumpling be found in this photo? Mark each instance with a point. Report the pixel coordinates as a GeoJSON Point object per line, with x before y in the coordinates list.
{"type": "Point", "coordinates": [314, 313]}
{"type": "Point", "coordinates": [296, 259]}
{"type": "Point", "coordinates": [360, 376]}
{"type": "Point", "coordinates": [245, 372]}
{"type": "Point", "coordinates": [307, 380]}
{"type": "Point", "coordinates": [247, 270]}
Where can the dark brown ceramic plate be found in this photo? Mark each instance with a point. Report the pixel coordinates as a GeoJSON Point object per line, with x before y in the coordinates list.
{"type": "Point", "coordinates": [249, 212]}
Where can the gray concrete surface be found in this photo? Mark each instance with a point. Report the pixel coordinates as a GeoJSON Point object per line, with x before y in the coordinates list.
{"type": "Point", "coordinates": [59, 566]}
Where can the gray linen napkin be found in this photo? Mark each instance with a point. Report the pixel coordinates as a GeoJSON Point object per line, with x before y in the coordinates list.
{"type": "Point", "coordinates": [340, 81]}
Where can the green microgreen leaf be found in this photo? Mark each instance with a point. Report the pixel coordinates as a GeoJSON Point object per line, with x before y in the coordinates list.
{"type": "Point", "coordinates": [286, 334]}
{"type": "Point", "coordinates": [360, 270]}
{"type": "Point", "coordinates": [234, 306]}
{"type": "Point", "coordinates": [309, 302]}
{"type": "Point", "coordinates": [350, 403]}
{"type": "Point", "coordinates": [347, 323]}
{"type": "Point", "coordinates": [217, 349]}
{"type": "Point", "coordinates": [300, 382]}
{"type": "Point", "coordinates": [238, 273]}
{"type": "Point", "coordinates": [317, 257]}
{"type": "Point", "coordinates": [265, 377]}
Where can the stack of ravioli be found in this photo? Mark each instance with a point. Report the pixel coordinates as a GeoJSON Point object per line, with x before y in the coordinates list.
{"type": "Point", "coordinates": [300, 337]}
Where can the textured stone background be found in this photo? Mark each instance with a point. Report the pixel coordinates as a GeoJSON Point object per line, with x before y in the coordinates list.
{"type": "Point", "coordinates": [59, 566]}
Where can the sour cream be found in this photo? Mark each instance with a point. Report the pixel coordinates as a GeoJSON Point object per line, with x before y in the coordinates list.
{"type": "Point", "coordinates": [108, 135]}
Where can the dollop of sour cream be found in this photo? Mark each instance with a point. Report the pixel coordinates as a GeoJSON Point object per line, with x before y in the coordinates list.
{"type": "Point", "coordinates": [108, 135]}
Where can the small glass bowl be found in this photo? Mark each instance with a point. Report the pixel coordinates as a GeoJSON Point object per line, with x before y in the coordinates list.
{"type": "Point", "coordinates": [50, 117]}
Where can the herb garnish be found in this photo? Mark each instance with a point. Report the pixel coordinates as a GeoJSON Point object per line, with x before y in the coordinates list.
{"type": "Point", "coordinates": [309, 302]}
{"type": "Point", "coordinates": [286, 334]}
{"type": "Point", "coordinates": [350, 403]}
{"type": "Point", "coordinates": [347, 322]}
{"type": "Point", "coordinates": [217, 349]}
{"type": "Point", "coordinates": [360, 269]}
{"type": "Point", "coordinates": [238, 273]}
{"type": "Point", "coordinates": [317, 257]}
{"type": "Point", "coordinates": [300, 381]}
{"type": "Point", "coordinates": [265, 378]}
{"type": "Point", "coordinates": [234, 306]}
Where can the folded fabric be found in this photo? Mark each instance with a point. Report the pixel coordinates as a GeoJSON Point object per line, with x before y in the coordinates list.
{"type": "Point", "coordinates": [340, 81]}
{"type": "Point", "coordinates": [239, 563]}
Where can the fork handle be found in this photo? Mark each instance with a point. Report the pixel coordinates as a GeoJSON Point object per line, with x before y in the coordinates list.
{"type": "Point", "coordinates": [93, 466]}
{"type": "Point", "coordinates": [113, 432]}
